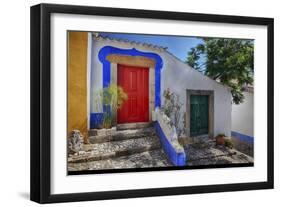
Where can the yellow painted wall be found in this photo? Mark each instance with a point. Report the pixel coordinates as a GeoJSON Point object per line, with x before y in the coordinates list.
{"type": "Point", "coordinates": [77, 82]}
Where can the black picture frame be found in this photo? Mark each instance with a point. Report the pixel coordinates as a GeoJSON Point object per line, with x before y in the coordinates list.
{"type": "Point", "coordinates": [41, 96]}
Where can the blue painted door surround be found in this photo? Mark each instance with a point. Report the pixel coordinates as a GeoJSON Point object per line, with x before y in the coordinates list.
{"type": "Point", "coordinates": [97, 118]}
{"type": "Point", "coordinates": [107, 50]}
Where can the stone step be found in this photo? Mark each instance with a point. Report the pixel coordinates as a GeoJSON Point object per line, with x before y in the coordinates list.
{"type": "Point", "coordinates": [123, 135]}
{"type": "Point", "coordinates": [139, 125]}
{"type": "Point", "coordinates": [112, 149]}
{"type": "Point", "coordinates": [119, 127]}
{"type": "Point", "coordinates": [152, 158]}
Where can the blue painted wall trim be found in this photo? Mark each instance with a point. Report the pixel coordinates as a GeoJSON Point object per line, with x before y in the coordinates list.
{"type": "Point", "coordinates": [178, 159]}
{"type": "Point", "coordinates": [107, 50]}
{"type": "Point", "coordinates": [96, 120]}
{"type": "Point", "coordinates": [243, 137]}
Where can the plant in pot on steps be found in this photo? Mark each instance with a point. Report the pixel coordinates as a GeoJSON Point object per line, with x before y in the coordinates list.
{"type": "Point", "coordinates": [112, 98]}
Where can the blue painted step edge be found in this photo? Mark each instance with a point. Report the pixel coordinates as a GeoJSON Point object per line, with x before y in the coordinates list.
{"type": "Point", "coordinates": [243, 137]}
{"type": "Point", "coordinates": [178, 159]}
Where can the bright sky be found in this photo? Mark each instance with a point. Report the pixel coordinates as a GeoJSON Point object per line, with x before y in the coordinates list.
{"type": "Point", "coordinates": [177, 45]}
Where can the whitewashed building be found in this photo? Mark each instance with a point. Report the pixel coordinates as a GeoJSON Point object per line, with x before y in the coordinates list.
{"type": "Point", "coordinates": [242, 126]}
{"type": "Point", "coordinates": [149, 70]}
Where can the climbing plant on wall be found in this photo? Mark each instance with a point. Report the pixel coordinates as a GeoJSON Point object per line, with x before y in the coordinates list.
{"type": "Point", "coordinates": [229, 61]}
{"type": "Point", "coordinates": [171, 108]}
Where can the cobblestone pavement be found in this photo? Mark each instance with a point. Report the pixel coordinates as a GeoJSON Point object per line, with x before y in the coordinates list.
{"type": "Point", "coordinates": [207, 153]}
{"type": "Point", "coordinates": [145, 152]}
{"type": "Point", "coordinates": [153, 158]}
{"type": "Point", "coordinates": [107, 150]}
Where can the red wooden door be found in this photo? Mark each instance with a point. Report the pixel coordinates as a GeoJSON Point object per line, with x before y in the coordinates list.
{"type": "Point", "coordinates": [134, 81]}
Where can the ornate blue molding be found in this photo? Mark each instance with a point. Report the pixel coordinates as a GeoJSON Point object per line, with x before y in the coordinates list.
{"type": "Point", "coordinates": [107, 50]}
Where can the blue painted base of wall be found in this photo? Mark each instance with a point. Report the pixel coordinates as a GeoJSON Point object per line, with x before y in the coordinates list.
{"type": "Point", "coordinates": [96, 120]}
{"type": "Point", "coordinates": [178, 159]}
{"type": "Point", "coordinates": [243, 137]}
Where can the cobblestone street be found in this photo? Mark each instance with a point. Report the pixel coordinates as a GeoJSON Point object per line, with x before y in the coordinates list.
{"type": "Point", "coordinates": [146, 152]}
{"type": "Point", "coordinates": [207, 153]}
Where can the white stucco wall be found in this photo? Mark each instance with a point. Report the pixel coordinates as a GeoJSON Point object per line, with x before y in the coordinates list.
{"type": "Point", "coordinates": [243, 116]}
{"type": "Point", "coordinates": [175, 75]}
{"type": "Point", "coordinates": [178, 76]}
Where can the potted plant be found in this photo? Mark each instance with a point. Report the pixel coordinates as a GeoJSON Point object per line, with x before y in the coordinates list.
{"type": "Point", "coordinates": [220, 139]}
{"type": "Point", "coordinates": [112, 98]}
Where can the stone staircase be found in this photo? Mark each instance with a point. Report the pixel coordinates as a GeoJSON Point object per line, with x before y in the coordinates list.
{"type": "Point", "coordinates": [126, 148]}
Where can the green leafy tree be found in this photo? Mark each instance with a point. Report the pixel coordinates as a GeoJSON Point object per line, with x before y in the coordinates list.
{"type": "Point", "coordinates": [229, 61]}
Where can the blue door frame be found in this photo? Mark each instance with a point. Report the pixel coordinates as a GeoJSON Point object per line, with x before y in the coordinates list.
{"type": "Point", "coordinates": [96, 118]}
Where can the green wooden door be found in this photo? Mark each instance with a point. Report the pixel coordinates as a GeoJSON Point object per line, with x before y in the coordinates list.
{"type": "Point", "coordinates": [199, 115]}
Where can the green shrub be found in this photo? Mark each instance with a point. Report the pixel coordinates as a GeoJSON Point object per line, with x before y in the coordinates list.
{"type": "Point", "coordinates": [112, 97]}
{"type": "Point", "coordinates": [228, 143]}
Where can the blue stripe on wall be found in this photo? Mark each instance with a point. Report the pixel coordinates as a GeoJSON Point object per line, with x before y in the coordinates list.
{"type": "Point", "coordinates": [243, 137]}
{"type": "Point", "coordinates": [178, 159]}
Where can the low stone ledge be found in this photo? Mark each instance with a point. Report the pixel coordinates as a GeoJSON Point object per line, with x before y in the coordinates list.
{"type": "Point", "coordinates": [168, 138]}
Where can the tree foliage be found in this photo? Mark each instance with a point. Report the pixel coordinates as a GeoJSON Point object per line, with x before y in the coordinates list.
{"type": "Point", "coordinates": [229, 61]}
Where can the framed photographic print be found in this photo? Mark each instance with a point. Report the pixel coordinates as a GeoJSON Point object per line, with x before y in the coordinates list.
{"type": "Point", "coordinates": [133, 103]}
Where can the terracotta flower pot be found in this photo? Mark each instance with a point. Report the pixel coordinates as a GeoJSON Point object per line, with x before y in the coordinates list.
{"type": "Point", "coordinates": [220, 140]}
